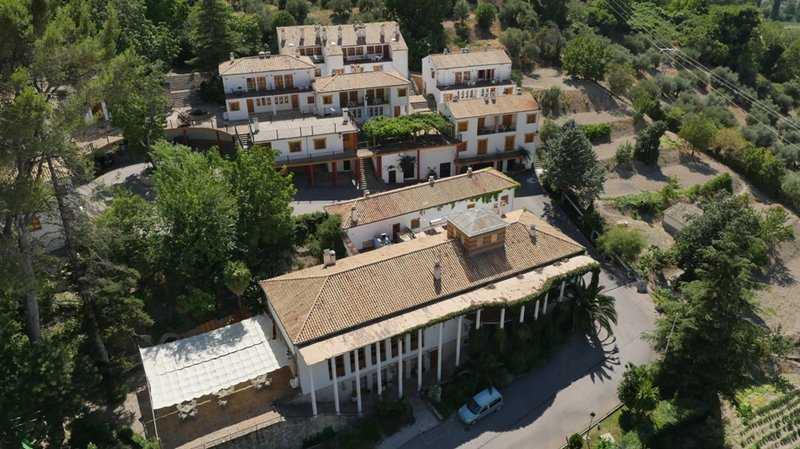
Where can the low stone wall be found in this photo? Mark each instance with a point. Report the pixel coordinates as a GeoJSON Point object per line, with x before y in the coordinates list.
{"type": "Point", "coordinates": [288, 434]}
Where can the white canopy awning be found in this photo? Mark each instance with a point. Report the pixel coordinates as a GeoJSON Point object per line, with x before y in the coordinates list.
{"type": "Point", "coordinates": [193, 367]}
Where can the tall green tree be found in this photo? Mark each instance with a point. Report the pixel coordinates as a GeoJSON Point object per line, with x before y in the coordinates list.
{"type": "Point", "coordinates": [134, 92]}
{"type": "Point", "coordinates": [421, 24]}
{"type": "Point", "coordinates": [264, 226]}
{"type": "Point", "coordinates": [571, 165]}
{"type": "Point", "coordinates": [648, 142]}
{"type": "Point", "coordinates": [698, 131]}
{"type": "Point", "coordinates": [485, 13]}
{"type": "Point", "coordinates": [212, 32]}
{"type": "Point", "coordinates": [586, 56]}
{"type": "Point", "coordinates": [199, 215]}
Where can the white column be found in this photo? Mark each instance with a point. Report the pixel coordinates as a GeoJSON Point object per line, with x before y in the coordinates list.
{"type": "Point", "coordinates": [378, 362]}
{"type": "Point", "coordinates": [439, 358]}
{"type": "Point", "coordinates": [419, 359]}
{"type": "Point", "coordinates": [313, 391]}
{"type": "Point", "coordinates": [335, 386]}
{"type": "Point", "coordinates": [400, 367]}
{"type": "Point", "coordinates": [478, 319]}
{"type": "Point", "coordinates": [546, 297]}
{"type": "Point", "coordinates": [536, 311]}
{"type": "Point", "coordinates": [502, 318]}
{"type": "Point", "coordinates": [561, 294]}
{"type": "Point", "coordinates": [522, 314]}
{"type": "Point", "coordinates": [358, 381]}
{"type": "Point", "coordinates": [458, 340]}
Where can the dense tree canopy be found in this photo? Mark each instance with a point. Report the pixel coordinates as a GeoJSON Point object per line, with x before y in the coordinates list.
{"type": "Point", "coordinates": [571, 164]}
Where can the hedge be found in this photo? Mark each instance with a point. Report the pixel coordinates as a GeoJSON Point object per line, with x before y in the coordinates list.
{"type": "Point", "coordinates": [597, 132]}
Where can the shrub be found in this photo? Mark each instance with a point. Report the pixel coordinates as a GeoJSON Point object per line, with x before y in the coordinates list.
{"type": "Point", "coordinates": [709, 188]}
{"type": "Point", "coordinates": [575, 441]}
{"type": "Point", "coordinates": [790, 185]}
{"type": "Point", "coordinates": [649, 203]}
{"type": "Point", "coordinates": [326, 434]}
{"type": "Point", "coordinates": [551, 101]}
{"type": "Point", "coordinates": [305, 225]}
{"type": "Point", "coordinates": [328, 235]}
{"type": "Point", "coordinates": [549, 130]}
{"type": "Point", "coordinates": [638, 389]}
{"type": "Point", "coordinates": [624, 155]}
{"type": "Point", "coordinates": [622, 242]}
{"type": "Point", "coordinates": [620, 78]}
{"type": "Point", "coordinates": [648, 142]}
{"type": "Point", "coordinates": [597, 132]}
{"type": "Point", "coordinates": [485, 14]}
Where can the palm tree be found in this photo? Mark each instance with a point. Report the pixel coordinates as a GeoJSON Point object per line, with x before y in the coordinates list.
{"type": "Point", "coordinates": [591, 306]}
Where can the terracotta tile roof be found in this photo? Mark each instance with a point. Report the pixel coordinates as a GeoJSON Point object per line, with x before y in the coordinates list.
{"type": "Point", "coordinates": [394, 203]}
{"type": "Point", "coordinates": [361, 80]}
{"type": "Point", "coordinates": [306, 35]}
{"type": "Point", "coordinates": [257, 64]}
{"type": "Point", "coordinates": [503, 104]}
{"type": "Point", "coordinates": [455, 60]}
{"type": "Point", "coordinates": [320, 301]}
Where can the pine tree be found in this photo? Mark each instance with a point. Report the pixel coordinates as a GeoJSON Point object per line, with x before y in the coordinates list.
{"type": "Point", "coordinates": [213, 35]}
{"type": "Point", "coordinates": [571, 164]}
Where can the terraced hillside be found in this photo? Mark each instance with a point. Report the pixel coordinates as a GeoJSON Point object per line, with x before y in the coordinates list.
{"type": "Point", "coordinates": [768, 418]}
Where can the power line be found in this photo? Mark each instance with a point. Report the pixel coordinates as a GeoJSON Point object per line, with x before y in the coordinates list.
{"type": "Point", "coordinates": [694, 64]}
{"type": "Point", "coordinates": [647, 33]}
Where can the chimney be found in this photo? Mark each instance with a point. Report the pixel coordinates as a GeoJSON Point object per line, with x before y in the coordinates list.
{"type": "Point", "coordinates": [469, 172]}
{"type": "Point", "coordinates": [518, 90]}
{"type": "Point", "coordinates": [532, 232]}
{"type": "Point", "coordinates": [345, 115]}
{"type": "Point", "coordinates": [353, 215]}
{"type": "Point", "coordinates": [383, 33]}
{"type": "Point", "coordinates": [446, 51]}
{"type": "Point", "coordinates": [465, 50]}
{"type": "Point", "coordinates": [329, 257]}
{"type": "Point", "coordinates": [431, 181]}
{"type": "Point", "coordinates": [232, 56]}
{"type": "Point", "coordinates": [262, 55]}
{"type": "Point", "coordinates": [437, 271]}
{"type": "Point", "coordinates": [397, 35]}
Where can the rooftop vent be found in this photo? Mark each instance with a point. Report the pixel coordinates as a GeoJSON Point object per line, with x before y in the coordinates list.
{"type": "Point", "coordinates": [446, 51]}
{"type": "Point", "coordinates": [469, 172]}
{"type": "Point", "coordinates": [232, 56]}
{"type": "Point", "coordinates": [329, 257]}
{"type": "Point", "coordinates": [262, 54]}
{"type": "Point", "coordinates": [437, 271]}
{"type": "Point", "coordinates": [353, 215]}
{"type": "Point", "coordinates": [465, 50]}
{"type": "Point", "coordinates": [518, 90]}
{"type": "Point", "coordinates": [431, 181]}
{"type": "Point", "coordinates": [532, 232]}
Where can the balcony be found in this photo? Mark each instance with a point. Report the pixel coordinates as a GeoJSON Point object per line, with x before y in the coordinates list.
{"type": "Point", "coordinates": [497, 130]}
{"type": "Point", "coordinates": [243, 93]}
{"type": "Point", "coordinates": [313, 157]}
{"type": "Point", "coordinates": [494, 82]}
{"type": "Point", "coordinates": [367, 59]}
{"type": "Point", "coordinates": [494, 155]}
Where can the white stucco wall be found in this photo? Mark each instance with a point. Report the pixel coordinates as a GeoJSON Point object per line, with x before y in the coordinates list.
{"type": "Point", "coordinates": [266, 101]}
{"type": "Point", "coordinates": [496, 141]}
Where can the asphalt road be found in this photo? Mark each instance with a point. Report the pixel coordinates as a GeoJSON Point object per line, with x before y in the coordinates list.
{"type": "Point", "coordinates": [545, 406]}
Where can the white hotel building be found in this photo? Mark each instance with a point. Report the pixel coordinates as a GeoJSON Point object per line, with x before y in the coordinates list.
{"type": "Point", "coordinates": [496, 132]}
{"type": "Point", "coordinates": [465, 75]}
{"type": "Point", "coordinates": [390, 320]}
{"type": "Point", "coordinates": [352, 48]}
{"type": "Point", "coordinates": [267, 84]}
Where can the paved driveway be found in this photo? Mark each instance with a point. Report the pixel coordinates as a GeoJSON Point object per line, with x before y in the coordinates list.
{"type": "Point", "coordinates": [546, 405]}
